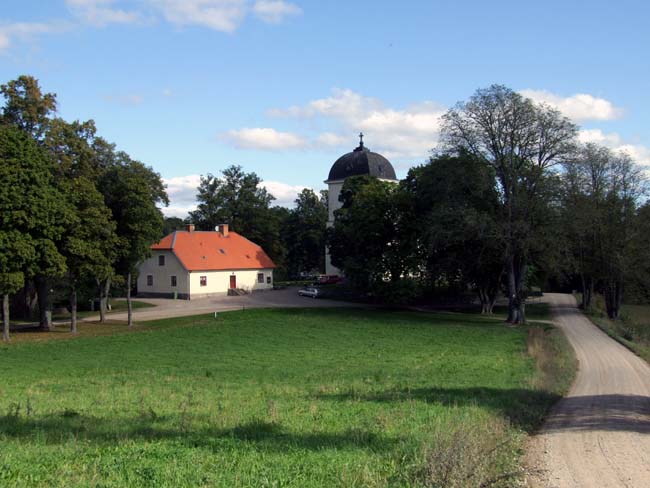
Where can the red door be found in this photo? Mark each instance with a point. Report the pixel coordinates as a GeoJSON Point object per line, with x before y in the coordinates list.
{"type": "Point", "coordinates": [233, 282]}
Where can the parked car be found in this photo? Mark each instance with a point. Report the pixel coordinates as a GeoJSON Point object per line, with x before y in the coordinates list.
{"type": "Point", "coordinates": [329, 279]}
{"type": "Point", "coordinates": [310, 291]}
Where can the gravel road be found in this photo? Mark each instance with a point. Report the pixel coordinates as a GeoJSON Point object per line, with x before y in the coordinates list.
{"type": "Point", "coordinates": [599, 434]}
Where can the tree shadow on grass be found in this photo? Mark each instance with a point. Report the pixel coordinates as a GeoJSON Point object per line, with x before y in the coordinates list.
{"type": "Point", "coordinates": [524, 408]}
{"type": "Point", "coordinates": [271, 436]}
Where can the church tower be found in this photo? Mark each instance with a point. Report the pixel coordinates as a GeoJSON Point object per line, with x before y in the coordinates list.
{"type": "Point", "coordinates": [361, 161]}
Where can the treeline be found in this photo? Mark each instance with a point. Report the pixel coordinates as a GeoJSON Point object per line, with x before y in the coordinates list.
{"type": "Point", "coordinates": [510, 200]}
{"type": "Point", "coordinates": [76, 214]}
{"type": "Point", "coordinates": [294, 238]}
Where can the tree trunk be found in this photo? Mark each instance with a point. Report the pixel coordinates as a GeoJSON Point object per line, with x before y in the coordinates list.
{"type": "Point", "coordinates": [43, 292]}
{"type": "Point", "coordinates": [73, 310]}
{"type": "Point", "coordinates": [5, 317]}
{"type": "Point", "coordinates": [128, 300]}
{"type": "Point", "coordinates": [516, 300]}
{"type": "Point", "coordinates": [613, 299]}
{"type": "Point", "coordinates": [104, 288]}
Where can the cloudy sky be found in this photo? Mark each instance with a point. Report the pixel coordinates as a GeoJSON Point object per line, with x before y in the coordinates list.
{"type": "Point", "coordinates": [283, 87]}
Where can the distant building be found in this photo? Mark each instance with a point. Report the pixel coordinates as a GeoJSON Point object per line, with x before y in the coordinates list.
{"type": "Point", "coordinates": [191, 264]}
{"type": "Point", "coordinates": [361, 161]}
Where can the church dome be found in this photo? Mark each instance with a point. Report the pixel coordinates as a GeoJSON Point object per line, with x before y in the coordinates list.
{"type": "Point", "coordinates": [362, 161]}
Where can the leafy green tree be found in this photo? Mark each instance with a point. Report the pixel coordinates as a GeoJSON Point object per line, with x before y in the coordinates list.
{"type": "Point", "coordinates": [133, 192]}
{"type": "Point", "coordinates": [171, 224]}
{"type": "Point", "coordinates": [89, 242]}
{"type": "Point", "coordinates": [600, 200]}
{"type": "Point", "coordinates": [365, 240]}
{"type": "Point", "coordinates": [455, 221]}
{"type": "Point", "coordinates": [33, 214]}
{"type": "Point", "coordinates": [238, 199]}
{"type": "Point", "coordinates": [305, 233]}
{"type": "Point", "coordinates": [522, 142]}
{"type": "Point", "coordinates": [27, 107]}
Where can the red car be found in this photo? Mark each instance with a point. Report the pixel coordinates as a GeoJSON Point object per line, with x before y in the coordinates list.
{"type": "Point", "coordinates": [329, 279]}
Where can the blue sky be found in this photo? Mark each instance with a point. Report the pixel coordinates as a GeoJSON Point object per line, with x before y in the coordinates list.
{"type": "Point", "coordinates": [282, 87]}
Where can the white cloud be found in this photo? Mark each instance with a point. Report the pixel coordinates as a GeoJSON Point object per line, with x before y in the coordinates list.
{"type": "Point", "coordinates": [28, 30]}
{"type": "Point", "coordinates": [275, 11]}
{"type": "Point", "coordinates": [263, 138]}
{"type": "Point", "coordinates": [284, 194]}
{"type": "Point", "coordinates": [220, 15]}
{"type": "Point", "coordinates": [409, 132]}
{"type": "Point", "coordinates": [579, 107]}
{"type": "Point", "coordinates": [640, 153]}
{"type": "Point", "coordinates": [182, 192]}
{"type": "Point", "coordinates": [332, 139]}
{"type": "Point", "coordinates": [101, 12]}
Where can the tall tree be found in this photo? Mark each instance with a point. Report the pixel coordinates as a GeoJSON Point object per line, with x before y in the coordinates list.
{"type": "Point", "coordinates": [521, 141]}
{"type": "Point", "coordinates": [601, 194]}
{"type": "Point", "coordinates": [365, 239]}
{"type": "Point", "coordinates": [305, 233]}
{"type": "Point", "coordinates": [237, 198]}
{"type": "Point", "coordinates": [133, 192]}
{"type": "Point", "coordinates": [455, 216]}
{"type": "Point", "coordinates": [27, 107]}
{"type": "Point", "coordinates": [33, 214]}
{"type": "Point", "coordinates": [88, 243]}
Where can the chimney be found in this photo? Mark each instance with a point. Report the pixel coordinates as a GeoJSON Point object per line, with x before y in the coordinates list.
{"type": "Point", "coordinates": [223, 228]}
{"type": "Point", "coordinates": [190, 227]}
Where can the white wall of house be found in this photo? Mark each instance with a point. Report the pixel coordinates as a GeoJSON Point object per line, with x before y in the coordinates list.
{"type": "Point", "coordinates": [188, 284]}
{"type": "Point", "coordinates": [218, 282]}
{"type": "Point", "coordinates": [161, 275]}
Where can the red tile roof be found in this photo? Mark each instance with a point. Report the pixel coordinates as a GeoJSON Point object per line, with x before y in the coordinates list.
{"type": "Point", "coordinates": [208, 251]}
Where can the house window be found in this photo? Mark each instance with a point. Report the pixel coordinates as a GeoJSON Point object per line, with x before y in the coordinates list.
{"type": "Point", "coordinates": [161, 260]}
{"type": "Point", "coordinates": [149, 280]}
{"type": "Point", "coordinates": [173, 280]}
{"type": "Point", "coordinates": [204, 280]}
{"type": "Point", "coordinates": [268, 280]}
{"type": "Point", "coordinates": [260, 277]}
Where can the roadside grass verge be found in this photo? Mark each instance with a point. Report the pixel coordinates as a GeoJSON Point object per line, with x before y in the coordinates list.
{"type": "Point", "coordinates": [117, 305]}
{"type": "Point", "coordinates": [282, 397]}
{"type": "Point", "coordinates": [632, 328]}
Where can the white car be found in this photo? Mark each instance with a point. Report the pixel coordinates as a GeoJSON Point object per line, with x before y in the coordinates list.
{"type": "Point", "coordinates": [309, 291]}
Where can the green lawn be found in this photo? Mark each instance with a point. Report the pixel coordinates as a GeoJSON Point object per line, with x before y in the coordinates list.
{"type": "Point", "coordinates": [311, 397]}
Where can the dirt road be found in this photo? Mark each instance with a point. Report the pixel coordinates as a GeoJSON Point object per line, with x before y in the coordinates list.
{"type": "Point", "coordinates": [599, 435]}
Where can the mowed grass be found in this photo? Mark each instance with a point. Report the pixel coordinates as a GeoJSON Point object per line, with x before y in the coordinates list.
{"type": "Point", "coordinates": [299, 397]}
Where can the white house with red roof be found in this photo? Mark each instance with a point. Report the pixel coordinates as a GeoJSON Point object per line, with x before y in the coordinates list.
{"type": "Point", "coordinates": [191, 264]}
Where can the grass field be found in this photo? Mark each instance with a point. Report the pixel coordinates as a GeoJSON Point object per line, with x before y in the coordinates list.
{"type": "Point", "coordinates": [301, 397]}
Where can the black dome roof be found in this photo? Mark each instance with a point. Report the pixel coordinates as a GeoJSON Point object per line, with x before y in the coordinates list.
{"type": "Point", "coordinates": [362, 161]}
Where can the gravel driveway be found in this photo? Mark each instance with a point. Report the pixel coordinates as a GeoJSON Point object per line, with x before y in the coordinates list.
{"type": "Point", "coordinates": [166, 308]}
{"type": "Point", "coordinates": [599, 434]}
